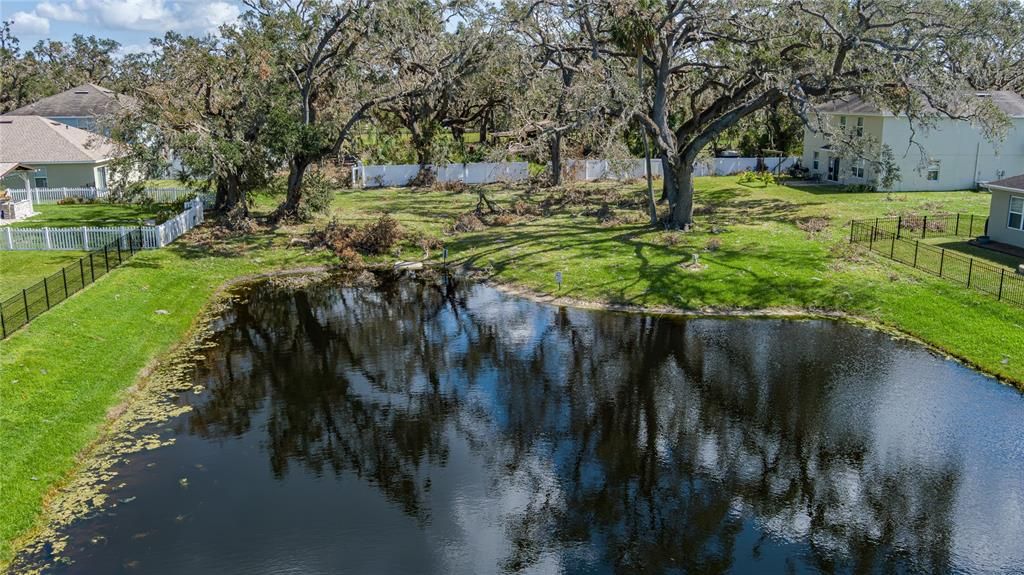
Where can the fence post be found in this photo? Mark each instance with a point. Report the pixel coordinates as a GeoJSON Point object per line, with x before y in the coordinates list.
{"type": "Point", "coordinates": [85, 238]}
{"type": "Point", "coordinates": [892, 249]}
{"type": "Point", "coordinates": [970, 231]}
{"type": "Point", "coordinates": [956, 232]}
{"type": "Point", "coordinates": [853, 225]}
{"type": "Point", "coordinates": [970, 268]}
{"type": "Point", "coordinates": [924, 227]}
{"type": "Point", "coordinates": [3, 323]}
{"type": "Point", "coordinates": [917, 245]}
{"type": "Point", "coordinates": [10, 238]}
{"type": "Point", "coordinates": [81, 269]}
{"type": "Point", "coordinates": [24, 299]}
{"type": "Point", "coordinates": [46, 292]}
{"type": "Point", "coordinates": [899, 226]}
{"type": "Point", "coordinates": [46, 237]}
{"type": "Point", "coordinates": [92, 268]}
{"type": "Point", "coordinates": [942, 260]}
{"type": "Point", "coordinates": [119, 249]}
{"type": "Point", "coordinates": [64, 275]}
{"type": "Point", "coordinates": [1002, 275]}
{"type": "Point", "coordinates": [106, 259]}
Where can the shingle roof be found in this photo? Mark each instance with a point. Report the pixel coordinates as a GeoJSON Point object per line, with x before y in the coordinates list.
{"type": "Point", "coordinates": [87, 100]}
{"type": "Point", "coordinates": [36, 140]}
{"type": "Point", "coordinates": [8, 167]}
{"type": "Point", "coordinates": [1013, 182]}
{"type": "Point", "coordinates": [1011, 103]}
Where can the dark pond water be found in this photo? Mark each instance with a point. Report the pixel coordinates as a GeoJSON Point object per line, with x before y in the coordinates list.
{"type": "Point", "coordinates": [440, 427]}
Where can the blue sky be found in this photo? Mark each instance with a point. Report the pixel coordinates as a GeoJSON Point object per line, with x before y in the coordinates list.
{"type": "Point", "coordinates": [130, 22]}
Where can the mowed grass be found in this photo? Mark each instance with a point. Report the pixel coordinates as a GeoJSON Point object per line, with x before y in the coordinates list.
{"type": "Point", "coordinates": [99, 214]}
{"type": "Point", "coordinates": [61, 374]}
{"type": "Point", "coordinates": [19, 270]}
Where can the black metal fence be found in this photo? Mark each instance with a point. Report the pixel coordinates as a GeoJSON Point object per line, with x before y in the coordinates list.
{"type": "Point", "coordinates": [33, 301]}
{"type": "Point", "coordinates": [940, 225]}
{"type": "Point", "coordinates": [891, 240]}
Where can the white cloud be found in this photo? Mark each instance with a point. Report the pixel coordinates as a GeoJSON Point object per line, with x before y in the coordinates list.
{"type": "Point", "coordinates": [61, 12]}
{"type": "Point", "coordinates": [28, 23]}
{"type": "Point", "coordinates": [135, 15]}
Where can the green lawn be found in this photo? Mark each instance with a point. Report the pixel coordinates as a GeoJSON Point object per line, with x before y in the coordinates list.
{"type": "Point", "coordinates": [19, 270]}
{"type": "Point", "coordinates": [92, 215]}
{"type": "Point", "coordinates": [57, 382]}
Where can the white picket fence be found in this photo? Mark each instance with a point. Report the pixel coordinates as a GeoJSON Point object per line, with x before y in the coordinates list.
{"type": "Point", "coordinates": [54, 195]}
{"type": "Point", "coordinates": [88, 238]}
{"type": "Point", "coordinates": [635, 169]}
{"type": "Point", "coordinates": [472, 173]}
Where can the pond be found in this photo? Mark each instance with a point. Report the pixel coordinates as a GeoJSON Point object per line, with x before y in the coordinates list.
{"type": "Point", "coordinates": [440, 426]}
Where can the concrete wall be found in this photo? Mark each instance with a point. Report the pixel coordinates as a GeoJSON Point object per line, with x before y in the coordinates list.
{"type": "Point", "coordinates": [61, 176]}
{"type": "Point", "coordinates": [998, 219]}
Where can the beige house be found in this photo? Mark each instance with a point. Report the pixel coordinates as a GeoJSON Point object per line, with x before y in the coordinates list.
{"type": "Point", "coordinates": [63, 157]}
{"type": "Point", "coordinates": [957, 155]}
{"type": "Point", "coordinates": [1006, 213]}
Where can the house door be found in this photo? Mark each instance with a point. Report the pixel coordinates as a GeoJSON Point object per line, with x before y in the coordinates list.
{"type": "Point", "coordinates": [833, 170]}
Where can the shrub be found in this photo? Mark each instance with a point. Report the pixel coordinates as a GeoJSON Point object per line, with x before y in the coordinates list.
{"type": "Point", "coordinates": [467, 222]}
{"type": "Point", "coordinates": [425, 178]}
{"type": "Point", "coordinates": [713, 245]}
{"type": "Point", "coordinates": [430, 243]}
{"type": "Point", "coordinates": [813, 225]}
{"type": "Point", "coordinates": [379, 236]}
{"type": "Point", "coordinates": [317, 193]}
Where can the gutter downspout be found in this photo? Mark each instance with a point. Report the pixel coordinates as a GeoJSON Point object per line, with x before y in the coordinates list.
{"type": "Point", "coordinates": [977, 152]}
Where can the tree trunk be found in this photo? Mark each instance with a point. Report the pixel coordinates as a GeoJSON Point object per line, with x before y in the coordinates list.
{"type": "Point", "coordinates": [556, 159]}
{"type": "Point", "coordinates": [230, 195]}
{"type": "Point", "coordinates": [682, 205]}
{"type": "Point", "coordinates": [296, 171]}
{"type": "Point", "coordinates": [668, 183]}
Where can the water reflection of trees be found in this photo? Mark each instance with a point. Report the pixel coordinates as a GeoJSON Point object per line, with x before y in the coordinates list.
{"type": "Point", "coordinates": [664, 436]}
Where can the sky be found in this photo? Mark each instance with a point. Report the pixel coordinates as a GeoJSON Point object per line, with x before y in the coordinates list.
{"type": "Point", "coordinates": [130, 22]}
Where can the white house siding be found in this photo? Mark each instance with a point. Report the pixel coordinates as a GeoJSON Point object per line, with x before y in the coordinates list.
{"type": "Point", "coordinates": [62, 176]}
{"type": "Point", "coordinates": [965, 157]}
{"type": "Point", "coordinates": [815, 142]}
{"type": "Point", "coordinates": [999, 218]}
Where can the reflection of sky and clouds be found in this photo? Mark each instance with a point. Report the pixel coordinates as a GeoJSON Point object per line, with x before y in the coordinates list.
{"type": "Point", "coordinates": [439, 428]}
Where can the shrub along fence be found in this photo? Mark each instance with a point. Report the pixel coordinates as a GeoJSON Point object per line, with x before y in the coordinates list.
{"type": "Point", "coordinates": [900, 240]}
{"type": "Point", "coordinates": [37, 299]}
{"type": "Point", "coordinates": [87, 238]}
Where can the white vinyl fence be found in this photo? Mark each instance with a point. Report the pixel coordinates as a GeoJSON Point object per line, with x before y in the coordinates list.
{"type": "Point", "coordinates": [471, 173]}
{"type": "Point", "coordinates": [634, 168]}
{"type": "Point", "coordinates": [54, 195]}
{"type": "Point", "coordinates": [87, 238]}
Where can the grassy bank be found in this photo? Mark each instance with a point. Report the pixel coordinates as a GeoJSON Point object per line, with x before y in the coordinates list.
{"type": "Point", "coordinates": [19, 270]}
{"type": "Point", "coordinates": [774, 247]}
{"type": "Point", "coordinates": [63, 372]}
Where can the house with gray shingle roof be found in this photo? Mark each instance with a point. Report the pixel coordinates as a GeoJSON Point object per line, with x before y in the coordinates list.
{"type": "Point", "coordinates": [85, 107]}
{"type": "Point", "coordinates": [61, 155]}
{"type": "Point", "coordinates": [956, 154]}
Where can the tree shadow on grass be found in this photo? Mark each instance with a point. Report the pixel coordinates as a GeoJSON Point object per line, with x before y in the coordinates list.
{"type": "Point", "coordinates": [655, 274]}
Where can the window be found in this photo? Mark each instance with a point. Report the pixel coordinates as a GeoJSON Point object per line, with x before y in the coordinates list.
{"type": "Point", "coordinates": [815, 163]}
{"type": "Point", "coordinates": [857, 169]}
{"type": "Point", "coordinates": [1016, 213]}
{"type": "Point", "coordinates": [933, 171]}
{"type": "Point", "coordinates": [860, 126]}
{"type": "Point", "coordinates": [842, 124]}
{"type": "Point", "coordinates": [39, 178]}
{"type": "Point", "coordinates": [101, 177]}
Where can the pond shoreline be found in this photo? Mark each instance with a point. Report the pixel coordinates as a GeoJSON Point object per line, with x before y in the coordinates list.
{"type": "Point", "coordinates": [157, 380]}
